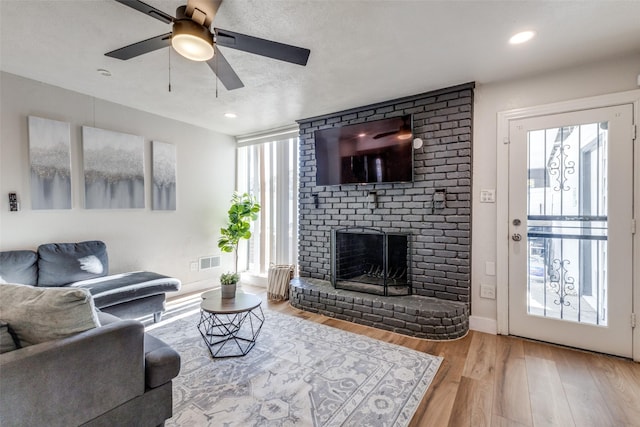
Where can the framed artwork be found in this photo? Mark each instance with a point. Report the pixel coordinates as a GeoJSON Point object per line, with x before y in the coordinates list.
{"type": "Point", "coordinates": [50, 160]}
{"type": "Point", "coordinates": [164, 176]}
{"type": "Point", "coordinates": [113, 169]}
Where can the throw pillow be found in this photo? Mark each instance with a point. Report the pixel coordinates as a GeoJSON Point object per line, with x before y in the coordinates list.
{"type": "Point", "coordinates": [7, 341]}
{"type": "Point", "coordinates": [19, 267]}
{"type": "Point", "coordinates": [63, 263]}
{"type": "Point", "coordinates": [43, 314]}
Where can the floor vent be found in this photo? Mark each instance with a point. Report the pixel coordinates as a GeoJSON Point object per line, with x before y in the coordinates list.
{"type": "Point", "coordinates": [209, 262]}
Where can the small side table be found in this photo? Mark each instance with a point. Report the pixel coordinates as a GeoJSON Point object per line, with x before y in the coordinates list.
{"type": "Point", "coordinates": [230, 326]}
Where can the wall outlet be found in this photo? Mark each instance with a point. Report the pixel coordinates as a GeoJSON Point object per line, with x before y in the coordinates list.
{"type": "Point", "coordinates": [193, 266]}
{"type": "Point", "coordinates": [488, 291]}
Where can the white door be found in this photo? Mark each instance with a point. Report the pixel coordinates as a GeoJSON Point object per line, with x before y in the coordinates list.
{"type": "Point", "coordinates": [570, 213]}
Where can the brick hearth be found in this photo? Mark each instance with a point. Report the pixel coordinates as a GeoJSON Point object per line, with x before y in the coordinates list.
{"type": "Point", "coordinates": [421, 317]}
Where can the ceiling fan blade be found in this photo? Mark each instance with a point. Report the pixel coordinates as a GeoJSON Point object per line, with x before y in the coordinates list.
{"type": "Point", "coordinates": [148, 10]}
{"type": "Point", "coordinates": [140, 48]}
{"type": "Point", "coordinates": [268, 48]}
{"type": "Point", "coordinates": [209, 7]}
{"type": "Point", "coordinates": [383, 134]}
{"type": "Point", "coordinates": [221, 68]}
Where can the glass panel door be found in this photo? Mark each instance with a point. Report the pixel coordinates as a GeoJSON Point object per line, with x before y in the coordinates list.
{"type": "Point", "coordinates": [570, 208]}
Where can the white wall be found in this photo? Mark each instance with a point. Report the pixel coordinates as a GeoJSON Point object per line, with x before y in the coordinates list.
{"type": "Point", "coordinates": [137, 239]}
{"type": "Point", "coordinates": [610, 76]}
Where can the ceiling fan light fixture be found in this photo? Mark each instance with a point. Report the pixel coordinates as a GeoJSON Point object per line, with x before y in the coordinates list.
{"type": "Point", "coordinates": [404, 135]}
{"type": "Point", "coordinates": [192, 41]}
{"type": "Point", "coordinates": [405, 132]}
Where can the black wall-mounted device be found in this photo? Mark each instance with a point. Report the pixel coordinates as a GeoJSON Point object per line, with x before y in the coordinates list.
{"type": "Point", "coordinates": [14, 206]}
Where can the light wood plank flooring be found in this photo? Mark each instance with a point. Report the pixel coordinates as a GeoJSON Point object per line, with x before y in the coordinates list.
{"type": "Point", "coordinates": [489, 380]}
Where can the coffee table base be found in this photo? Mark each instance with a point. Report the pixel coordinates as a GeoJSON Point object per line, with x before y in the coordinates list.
{"type": "Point", "coordinates": [230, 335]}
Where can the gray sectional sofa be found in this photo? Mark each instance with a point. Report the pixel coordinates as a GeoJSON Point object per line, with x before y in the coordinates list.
{"type": "Point", "coordinates": [65, 359]}
{"type": "Point", "coordinates": [86, 265]}
{"type": "Point", "coordinates": [111, 375]}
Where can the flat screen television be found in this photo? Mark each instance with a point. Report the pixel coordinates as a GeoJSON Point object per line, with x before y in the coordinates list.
{"type": "Point", "coordinates": [371, 152]}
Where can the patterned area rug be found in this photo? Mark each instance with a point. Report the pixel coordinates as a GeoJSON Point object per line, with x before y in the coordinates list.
{"type": "Point", "coordinates": [300, 373]}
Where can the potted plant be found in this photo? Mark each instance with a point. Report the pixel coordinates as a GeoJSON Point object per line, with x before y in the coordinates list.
{"type": "Point", "coordinates": [244, 209]}
{"type": "Point", "coordinates": [228, 283]}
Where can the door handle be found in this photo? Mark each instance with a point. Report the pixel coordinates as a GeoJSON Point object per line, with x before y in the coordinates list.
{"type": "Point", "coordinates": [516, 237]}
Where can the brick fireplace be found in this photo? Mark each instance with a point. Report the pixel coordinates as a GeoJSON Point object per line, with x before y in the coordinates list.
{"type": "Point", "coordinates": [433, 211]}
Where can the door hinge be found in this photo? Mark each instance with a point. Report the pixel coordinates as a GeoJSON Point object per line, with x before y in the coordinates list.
{"type": "Point", "coordinates": [633, 226]}
{"type": "Point", "coordinates": [633, 320]}
{"type": "Point", "coordinates": [506, 141]}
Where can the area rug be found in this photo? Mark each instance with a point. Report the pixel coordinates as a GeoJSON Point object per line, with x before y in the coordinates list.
{"type": "Point", "coordinates": [300, 373]}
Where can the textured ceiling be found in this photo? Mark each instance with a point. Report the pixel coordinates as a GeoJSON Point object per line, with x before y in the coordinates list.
{"type": "Point", "coordinates": [362, 52]}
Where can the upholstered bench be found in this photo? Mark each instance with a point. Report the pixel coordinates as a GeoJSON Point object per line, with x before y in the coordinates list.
{"type": "Point", "coordinates": [86, 265]}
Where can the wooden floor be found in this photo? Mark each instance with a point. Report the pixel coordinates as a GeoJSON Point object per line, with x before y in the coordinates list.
{"type": "Point", "coordinates": [489, 380]}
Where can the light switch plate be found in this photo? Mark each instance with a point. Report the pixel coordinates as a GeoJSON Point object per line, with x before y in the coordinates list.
{"type": "Point", "coordinates": [487, 196]}
{"type": "Point", "coordinates": [490, 268]}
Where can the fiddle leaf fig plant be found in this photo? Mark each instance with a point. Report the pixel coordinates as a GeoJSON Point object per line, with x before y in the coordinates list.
{"type": "Point", "coordinates": [244, 209]}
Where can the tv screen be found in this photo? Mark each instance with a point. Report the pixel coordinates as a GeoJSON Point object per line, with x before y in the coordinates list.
{"type": "Point", "coordinates": [372, 152]}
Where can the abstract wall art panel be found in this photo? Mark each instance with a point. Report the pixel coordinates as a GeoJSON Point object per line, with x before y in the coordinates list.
{"type": "Point", "coordinates": [50, 158]}
{"type": "Point", "coordinates": [113, 169]}
{"type": "Point", "coordinates": [164, 176]}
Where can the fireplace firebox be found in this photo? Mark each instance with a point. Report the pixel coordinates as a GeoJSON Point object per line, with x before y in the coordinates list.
{"type": "Point", "coordinates": [370, 260]}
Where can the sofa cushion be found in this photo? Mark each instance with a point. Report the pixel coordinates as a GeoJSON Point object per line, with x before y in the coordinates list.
{"type": "Point", "coordinates": [8, 341]}
{"type": "Point", "coordinates": [43, 314]}
{"type": "Point", "coordinates": [19, 267]}
{"type": "Point", "coordinates": [125, 287]}
{"type": "Point", "coordinates": [63, 263]}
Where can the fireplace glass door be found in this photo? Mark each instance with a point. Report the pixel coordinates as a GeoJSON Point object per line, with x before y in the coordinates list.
{"type": "Point", "coordinates": [371, 261]}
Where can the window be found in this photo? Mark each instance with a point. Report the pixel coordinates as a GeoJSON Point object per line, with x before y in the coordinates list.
{"type": "Point", "coordinates": [269, 171]}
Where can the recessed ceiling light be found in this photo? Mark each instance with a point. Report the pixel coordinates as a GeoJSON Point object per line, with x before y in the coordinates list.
{"type": "Point", "coordinates": [230, 115]}
{"type": "Point", "coordinates": [104, 72]}
{"type": "Point", "coordinates": [362, 135]}
{"type": "Point", "coordinates": [522, 37]}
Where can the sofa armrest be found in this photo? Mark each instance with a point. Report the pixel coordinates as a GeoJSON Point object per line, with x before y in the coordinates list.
{"type": "Point", "coordinates": [161, 361]}
{"type": "Point", "coordinates": [72, 380]}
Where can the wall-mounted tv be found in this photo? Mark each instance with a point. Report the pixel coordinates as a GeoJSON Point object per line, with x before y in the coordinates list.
{"type": "Point", "coordinates": [371, 152]}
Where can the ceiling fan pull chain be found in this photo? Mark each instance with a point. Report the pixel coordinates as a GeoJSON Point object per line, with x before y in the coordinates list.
{"type": "Point", "coordinates": [169, 69]}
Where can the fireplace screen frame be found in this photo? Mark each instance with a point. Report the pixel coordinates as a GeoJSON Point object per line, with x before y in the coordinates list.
{"type": "Point", "coordinates": [388, 286]}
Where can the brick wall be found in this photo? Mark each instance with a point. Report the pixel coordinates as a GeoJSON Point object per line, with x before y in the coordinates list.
{"type": "Point", "coordinates": [440, 236]}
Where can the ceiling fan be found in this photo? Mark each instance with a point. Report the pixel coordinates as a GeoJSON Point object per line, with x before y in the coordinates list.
{"type": "Point", "coordinates": [191, 37]}
{"type": "Point", "coordinates": [403, 132]}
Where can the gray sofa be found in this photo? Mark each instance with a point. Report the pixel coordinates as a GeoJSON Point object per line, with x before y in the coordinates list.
{"type": "Point", "coordinates": [86, 265]}
{"type": "Point", "coordinates": [112, 375]}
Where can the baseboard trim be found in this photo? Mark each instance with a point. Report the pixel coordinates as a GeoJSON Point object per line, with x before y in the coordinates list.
{"type": "Point", "coordinates": [483, 324]}
{"type": "Point", "coordinates": [193, 287]}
